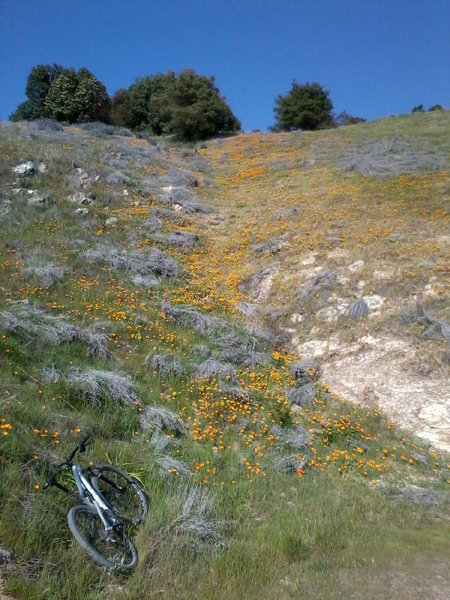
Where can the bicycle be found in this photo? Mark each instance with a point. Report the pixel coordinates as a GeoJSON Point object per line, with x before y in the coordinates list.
{"type": "Point", "coordinates": [110, 501]}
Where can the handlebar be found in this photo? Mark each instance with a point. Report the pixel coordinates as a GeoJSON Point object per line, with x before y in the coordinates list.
{"type": "Point", "coordinates": [81, 447]}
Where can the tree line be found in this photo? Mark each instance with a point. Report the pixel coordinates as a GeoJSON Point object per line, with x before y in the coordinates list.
{"type": "Point", "coordinates": [188, 105]}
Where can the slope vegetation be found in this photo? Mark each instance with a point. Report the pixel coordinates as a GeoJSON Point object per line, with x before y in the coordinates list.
{"type": "Point", "coordinates": [181, 305]}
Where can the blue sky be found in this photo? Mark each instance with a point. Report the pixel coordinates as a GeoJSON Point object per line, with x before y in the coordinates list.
{"type": "Point", "coordinates": [376, 57]}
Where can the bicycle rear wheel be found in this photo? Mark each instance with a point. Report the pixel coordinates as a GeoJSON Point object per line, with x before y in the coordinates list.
{"type": "Point", "coordinates": [122, 492]}
{"type": "Point", "coordinates": [113, 550]}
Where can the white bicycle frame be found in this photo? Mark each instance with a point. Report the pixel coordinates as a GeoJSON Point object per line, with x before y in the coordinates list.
{"type": "Point", "coordinates": [98, 503]}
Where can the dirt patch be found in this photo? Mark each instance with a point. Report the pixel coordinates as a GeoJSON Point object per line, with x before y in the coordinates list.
{"type": "Point", "coordinates": [376, 372]}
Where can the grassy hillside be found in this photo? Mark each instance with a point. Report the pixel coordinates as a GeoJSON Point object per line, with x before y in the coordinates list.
{"type": "Point", "coordinates": [155, 295]}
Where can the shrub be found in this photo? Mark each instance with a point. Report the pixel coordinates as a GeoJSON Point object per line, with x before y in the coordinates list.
{"type": "Point", "coordinates": [344, 118]}
{"type": "Point", "coordinates": [306, 106]}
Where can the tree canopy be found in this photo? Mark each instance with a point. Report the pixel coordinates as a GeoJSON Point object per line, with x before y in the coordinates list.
{"type": "Point", "coordinates": [63, 94]}
{"type": "Point", "coordinates": [38, 84]}
{"type": "Point", "coordinates": [188, 105]}
{"type": "Point", "coordinates": [77, 97]}
{"type": "Point", "coordinates": [306, 106]}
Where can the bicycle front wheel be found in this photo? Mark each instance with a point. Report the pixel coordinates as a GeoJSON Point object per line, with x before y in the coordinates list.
{"type": "Point", "coordinates": [122, 492]}
{"type": "Point", "coordinates": [111, 549]}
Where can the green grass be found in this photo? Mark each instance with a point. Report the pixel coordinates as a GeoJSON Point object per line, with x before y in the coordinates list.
{"type": "Point", "coordinates": [327, 532]}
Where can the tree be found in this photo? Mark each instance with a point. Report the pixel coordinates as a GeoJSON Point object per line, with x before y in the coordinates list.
{"type": "Point", "coordinates": [197, 110]}
{"type": "Point", "coordinates": [306, 106]}
{"type": "Point", "coordinates": [188, 105]}
{"type": "Point", "coordinates": [61, 102]}
{"type": "Point", "coordinates": [91, 98]}
{"type": "Point", "coordinates": [121, 108]}
{"type": "Point", "coordinates": [77, 97]}
{"type": "Point", "coordinates": [435, 107]}
{"type": "Point", "coordinates": [38, 84]}
{"type": "Point", "coordinates": [418, 108]}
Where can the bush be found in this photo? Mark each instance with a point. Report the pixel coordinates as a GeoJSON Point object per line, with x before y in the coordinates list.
{"type": "Point", "coordinates": [344, 118]}
{"type": "Point", "coordinates": [306, 107]}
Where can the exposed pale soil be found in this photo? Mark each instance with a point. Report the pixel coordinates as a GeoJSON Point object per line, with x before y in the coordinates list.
{"type": "Point", "coordinates": [376, 372]}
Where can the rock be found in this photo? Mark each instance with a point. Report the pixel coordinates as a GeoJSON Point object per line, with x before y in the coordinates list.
{"type": "Point", "coordinates": [356, 266]}
{"type": "Point", "coordinates": [117, 177]}
{"type": "Point", "coordinates": [359, 309]}
{"type": "Point", "coordinates": [82, 210]}
{"type": "Point", "coordinates": [248, 309]}
{"type": "Point", "coordinates": [425, 369]}
{"type": "Point", "coordinates": [111, 222]}
{"type": "Point", "coordinates": [42, 167]}
{"type": "Point", "coordinates": [327, 314]}
{"type": "Point", "coordinates": [302, 396]}
{"type": "Point", "coordinates": [373, 301]}
{"type": "Point", "coordinates": [25, 169]}
{"type": "Point", "coordinates": [79, 198]}
{"type": "Point", "coordinates": [36, 199]}
{"type": "Point", "coordinates": [307, 370]}
{"type": "Point", "coordinates": [5, 557]}
{"type": "Point", "coordinates": [325, 279]}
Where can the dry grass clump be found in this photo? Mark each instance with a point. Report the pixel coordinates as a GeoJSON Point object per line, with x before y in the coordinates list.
{"type": "Point", "coordinates": [166, 365]}
{"type": "Point", "coordinates": [169, 215]}
{"type": "Point", "coordinates": [117, 177]}
{"type": "Point", "coordinates": [181, 239]}
{"type": "Point", "coordinates": [289, 464]}
{"type": "Point", "coordinates": [238, 350]}
{"type": "Point", "coordinates": [152, 224]}
{"type": "Point", "coordinates": [186, 316]}
{"type": "Point", "coordinates": [412, 494]}
{"type": "Point", "coordinates": [32, 323]}
{"type": "Point", "coordinates": [211, 369]}
{"type": "Point", "coordinates": [391, 157]}
{"type": "Point", "coordinates": [140, 263]}
{"type": "Point", "coordinates": [149, 283]}
{"type": "Point", "coordinates": [99, 129]}
{"type": "Point", "coordinates": [197, 518]}
{"type": "Point", "coordinates": [302, 396]}
{"type": "Point", "coordinates": [297, 438]}
{"type": "Point", "coordinates": [168, 464]}
{"type": "Point", "coordinates": [46, 274]}
{"type": "Point", "coordinates": [99, 387]}
{"type": "Point", "coordinates": [160, 418]}
{"type": "Point", "coordinates": [271, 246]}
{"type": "Point", "coordinates": [178, 177]}
{"type": "Point", "coordinates": [159, 441]}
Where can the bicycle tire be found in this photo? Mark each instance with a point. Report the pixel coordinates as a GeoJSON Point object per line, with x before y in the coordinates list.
{"type": "Point", "coordinates": [81, 515]}
{"type": "Point", "coordinates": [122, 492]}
